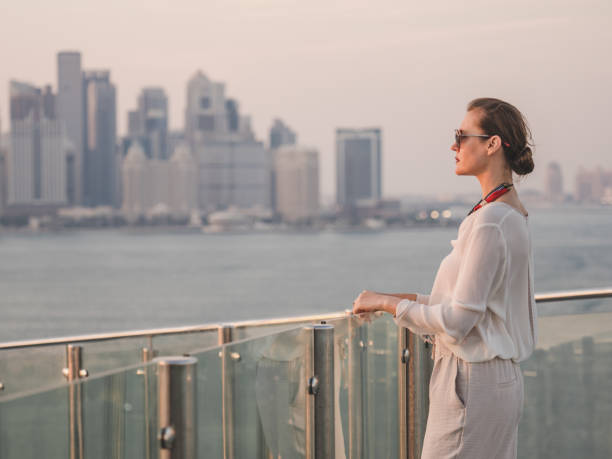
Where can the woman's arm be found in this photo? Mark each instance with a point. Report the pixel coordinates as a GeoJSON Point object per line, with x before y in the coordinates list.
{"type": "Point", "coordinates": [403, 296]}
{"type": "Point", "coordinates": [368, 301]}
{"type": "Point", "coordinates": [418, 297]}
{"type": "Point", "coordinates": [480, 268]}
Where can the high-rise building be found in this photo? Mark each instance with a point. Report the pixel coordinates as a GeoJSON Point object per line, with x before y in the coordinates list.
{"type": "Point", "coordinates": [70, 109]}
{"type": "Point", "coordinates": [3, 153]}
{"type": "Point", "coordinates": [2, 181]}
{"type": "Point", "coordinates": [281, 134]}
{"type": "Point", "coordinates": [233, 173]}
{"type": "Point", "coordinates": [206, 115]}
{"type": "Point", "coordinates": [594, 185]}
{"type": "Point", "coordinates": [297, 182]}
{"type": "Point", "coordinates": [37, 159]}
{"type": "Point", "coordinates": [154, 186]}
{"type": "Point", "coordinates": [234, 168]}
{"type": "Point", "coordinates": [149, 123]}
{"type": "Point", "coordinates": [554, 183]}
{"type": "Point", "coordinates": [358, 165]}
{"type": "Point", "coordinates": [183, 182]}
{"type": "Point", "coordinates": [135, 186]}
{"type": "Point", "coordinates": [175, 139]}
{"type": "Point", "coordinates": [100, 139]}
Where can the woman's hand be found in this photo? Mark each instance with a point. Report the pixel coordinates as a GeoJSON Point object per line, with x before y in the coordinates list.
{"type": "Point", "coordinates": [369, 301]}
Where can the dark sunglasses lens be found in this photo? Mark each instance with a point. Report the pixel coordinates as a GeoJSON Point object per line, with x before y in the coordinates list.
{"type": "Point", "coordinates": [457, 139]}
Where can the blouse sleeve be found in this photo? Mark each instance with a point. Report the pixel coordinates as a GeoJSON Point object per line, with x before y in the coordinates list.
{"type": "Point", "coordinates": [480, 269]}
{"type": "Point", "coordinates": [422, 298]}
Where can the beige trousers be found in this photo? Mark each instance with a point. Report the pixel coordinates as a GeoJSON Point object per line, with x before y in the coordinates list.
{"type": "Point", "coordinates": [474, 408]}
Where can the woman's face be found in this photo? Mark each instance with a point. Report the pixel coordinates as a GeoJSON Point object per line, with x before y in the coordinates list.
{"type": "Point", "coordinates": [471, 158]}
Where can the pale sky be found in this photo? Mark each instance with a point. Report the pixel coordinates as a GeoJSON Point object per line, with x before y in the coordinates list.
{"type": "Point", "coordinates": [407, 67]}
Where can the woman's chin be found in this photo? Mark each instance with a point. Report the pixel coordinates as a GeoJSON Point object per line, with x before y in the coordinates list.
{"type": "Point", "coordinates": [461, 170]}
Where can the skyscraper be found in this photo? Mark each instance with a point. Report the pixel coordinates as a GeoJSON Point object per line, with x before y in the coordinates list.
{"type": "Point", "coordinates": [151, 185]}
{"type": "Point", "coordinates": [297, 182]}
{"type": "Point", "coordinates": [554, 183]}
{"type": "Point", "coordinates": [183, 181]}
{"type": "Point", "coordinates": [233, 173]}
{"type": "Point", "coordinates": [100, 139]}
{"type": "Point", "coordinates": [234, 168]}
{"type": "Point", "coordinates": [594, 185]}
{"type": "Point", "coordinates": [149, 122]}
{"type": "Point", "coordinates": [3, 150]}
{"type": "Point", "coordinates": [281, 134]}
{"type": "Point", "coordinates": [358, 165]}
{"type": "Point", "coordinates": [70, 108]}
{"type": "Point", "coordinates": [37, 160]}
{"type": "Point", "coordinates": [135, 183]}
{"type": "Point", "coordinates": [206, 115]}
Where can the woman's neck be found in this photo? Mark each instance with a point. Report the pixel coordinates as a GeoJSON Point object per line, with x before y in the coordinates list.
{"type": "Point", "coordinates": [488, 181]}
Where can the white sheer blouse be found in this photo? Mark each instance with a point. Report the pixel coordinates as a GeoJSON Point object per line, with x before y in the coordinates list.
{"type": "Point", "coordinates": [481, 305]}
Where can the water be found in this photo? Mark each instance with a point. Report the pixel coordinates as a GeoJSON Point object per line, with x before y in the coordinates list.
{"type": "Point", "coordinates": [68, 283]}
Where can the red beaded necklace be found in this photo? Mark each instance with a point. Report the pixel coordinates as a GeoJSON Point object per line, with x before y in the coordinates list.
{"type": "Point", "coordinates": [492, 196]}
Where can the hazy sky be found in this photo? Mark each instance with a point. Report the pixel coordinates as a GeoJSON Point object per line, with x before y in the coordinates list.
{"type": "Point", "coordinates": [408, 67]}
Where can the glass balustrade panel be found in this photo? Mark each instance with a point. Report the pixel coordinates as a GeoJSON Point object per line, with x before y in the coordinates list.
{"type": "Point", "coordinates": [106, 416]}
{"type": "Point", "coordinates": [31, 368]}
{"type": "Point", "coordinates": [185, 342]}
{"type": "Point", "coordinates": [251, 397]}
{"type": "Point", "coordinates": [113, 354]}
{"type": "Point", "coordinates": [366, 361]}
{"type": "Point", "coordinates": [568, 406]}
{"type": "Point", "coordinates": [119, 413]}
{"type": "Point", "coordinates": [36, 425]}
{"type": "Point", "coordinates": [261, 329]}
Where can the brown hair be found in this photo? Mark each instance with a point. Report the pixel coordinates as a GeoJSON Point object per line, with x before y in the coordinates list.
{"type": "Point", "coordinates": [505, 120]}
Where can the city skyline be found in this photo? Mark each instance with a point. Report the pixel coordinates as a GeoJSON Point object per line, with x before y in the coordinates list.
{"type": "Point", "coordinates": [422, 68]}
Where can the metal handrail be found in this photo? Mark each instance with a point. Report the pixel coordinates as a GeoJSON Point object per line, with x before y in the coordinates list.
{"type": "Point", "coordinates": [605, 292]}
{"type": "Point", "coordinates": [171, 330]}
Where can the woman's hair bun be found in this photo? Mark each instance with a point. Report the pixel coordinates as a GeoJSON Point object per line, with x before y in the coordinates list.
{"type": "Point", "coordinates": [522, 163]}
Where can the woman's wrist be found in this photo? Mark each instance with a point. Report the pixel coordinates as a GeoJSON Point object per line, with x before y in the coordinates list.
{"type": "Point", "coordinates": [390, 304]}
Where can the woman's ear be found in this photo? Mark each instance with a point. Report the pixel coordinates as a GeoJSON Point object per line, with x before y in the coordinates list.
{"type": "Point", "coordinates": [493, 145]}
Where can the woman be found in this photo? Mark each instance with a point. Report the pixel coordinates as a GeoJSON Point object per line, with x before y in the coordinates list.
{"type": "Point", "coordinates": [481, 310]}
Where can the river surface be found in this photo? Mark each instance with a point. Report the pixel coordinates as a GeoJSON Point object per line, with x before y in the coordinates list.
{"type": "Point", "coordinates": [89, 281]}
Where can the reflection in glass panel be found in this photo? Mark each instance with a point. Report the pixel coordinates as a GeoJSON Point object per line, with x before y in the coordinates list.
{"type": "Point", "coordinates": [567, 389]}
{"type": "Point", "coordinates": [366, 375]}
{"type": "Point", "coordinates": [251, 397]}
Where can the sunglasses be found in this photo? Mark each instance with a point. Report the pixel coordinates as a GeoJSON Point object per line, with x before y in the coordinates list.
{"type": "Point", "coordinates": [459, 135]}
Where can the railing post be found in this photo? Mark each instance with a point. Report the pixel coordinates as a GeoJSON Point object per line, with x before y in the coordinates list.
{"type": "Point", "coordinates": [320, 433]}
{"type": "Point", "coordinates": [73, 372]}
{"type": "Point", "coordinates": [177, 410]}
{"type": "Point", "coordinates": [403, 365]}
{"type": "Point", "coordinates": [227, 391]}
{"type": "Point", "coordinates": [356, 395]}
{"type": "Point", "coordinates": [419, 371]}
{"type": "Point", "coordinates": [147, 354]}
